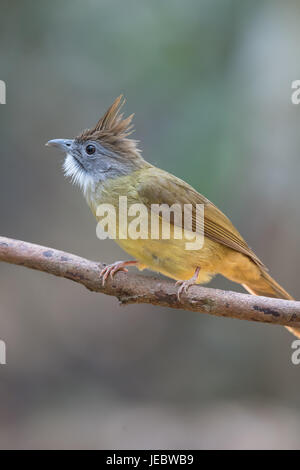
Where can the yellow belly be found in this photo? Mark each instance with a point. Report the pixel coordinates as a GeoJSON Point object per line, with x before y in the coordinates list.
{"type": "Point", "coordinates": [170, 256]}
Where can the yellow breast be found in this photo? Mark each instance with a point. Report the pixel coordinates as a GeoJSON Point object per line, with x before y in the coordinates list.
{"type": "Point", "coordinates": [167, 256]}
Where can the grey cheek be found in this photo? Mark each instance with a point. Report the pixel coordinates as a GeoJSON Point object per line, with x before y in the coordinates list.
{"type": "Point", "coordinates": [99, 167]}
{"type": "Point", "coordinates": [103, 166]}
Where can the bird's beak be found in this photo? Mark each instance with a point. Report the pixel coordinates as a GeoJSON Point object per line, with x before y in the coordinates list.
{"type": "Point", "coordinates": [62, 144]}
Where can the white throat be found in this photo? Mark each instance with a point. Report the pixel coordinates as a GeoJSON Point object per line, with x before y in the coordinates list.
{"type": "Point", "coordinates": [73, 170]}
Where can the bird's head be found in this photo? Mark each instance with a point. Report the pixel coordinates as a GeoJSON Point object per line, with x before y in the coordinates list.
{"type": "Point", "coordinates": [102, 152]}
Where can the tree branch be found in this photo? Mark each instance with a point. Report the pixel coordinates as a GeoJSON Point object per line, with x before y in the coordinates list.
{"type": "Point", "coordinates": [130, 288]}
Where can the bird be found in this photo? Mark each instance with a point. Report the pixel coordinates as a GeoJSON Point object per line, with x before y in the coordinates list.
{"type": "Point", "coordinates": [107, 164]}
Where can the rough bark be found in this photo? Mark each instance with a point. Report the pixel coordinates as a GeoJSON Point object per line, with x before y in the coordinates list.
{"type": "Point", "coordinates": [137, 288]}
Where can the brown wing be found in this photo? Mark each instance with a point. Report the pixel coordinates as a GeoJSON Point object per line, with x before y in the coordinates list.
{"type": "Point", "coordinates": [159, 187]}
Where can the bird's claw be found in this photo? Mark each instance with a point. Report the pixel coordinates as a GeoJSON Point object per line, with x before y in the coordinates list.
{"type": "Point", "coordinates": [111, 269]}
{"type": "Point", "coordinates": [184, 287]}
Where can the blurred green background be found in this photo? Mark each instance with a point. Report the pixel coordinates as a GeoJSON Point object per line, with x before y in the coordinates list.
{"type": "Point", "coordinates": [210, 83]}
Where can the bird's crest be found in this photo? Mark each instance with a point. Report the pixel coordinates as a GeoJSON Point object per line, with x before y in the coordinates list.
{"type": "Point", "coordinates": [113, 131]}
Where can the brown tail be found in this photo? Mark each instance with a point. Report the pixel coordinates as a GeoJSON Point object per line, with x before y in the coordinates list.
{"type": "Point", "coordinates": [268, 287]}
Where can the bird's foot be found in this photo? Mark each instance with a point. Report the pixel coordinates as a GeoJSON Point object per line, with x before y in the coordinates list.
{"type": "Point", "coordinates": [111, 269]}
{"type": "Point", "coordinates": [185, 285]}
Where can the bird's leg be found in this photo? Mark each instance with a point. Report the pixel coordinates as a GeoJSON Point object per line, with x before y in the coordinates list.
{"type": "Point", "coordinates": [185, 285]}
{"type": "Point", "coordinates": [111, 269]}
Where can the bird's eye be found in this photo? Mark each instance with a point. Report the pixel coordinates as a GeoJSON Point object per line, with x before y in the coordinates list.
{"type": "Point", "coordinates": [90, 149]}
